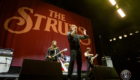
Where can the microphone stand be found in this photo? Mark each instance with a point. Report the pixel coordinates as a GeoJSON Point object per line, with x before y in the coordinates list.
{"type": "Point", "coordinates": [101, 45]}
{"type": "Point", "coordinates": [102, 51]}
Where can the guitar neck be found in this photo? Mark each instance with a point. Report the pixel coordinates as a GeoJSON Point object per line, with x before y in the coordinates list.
{"type": "Point", "coordinates": [60, 52]}
{"type": "Point", "coordinates": [94, 57]}
{"type": "Point", "coordinates": [56, 54]}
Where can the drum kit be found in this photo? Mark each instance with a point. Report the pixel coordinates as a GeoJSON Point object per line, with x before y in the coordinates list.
{"type": "Point", "coordinates": [65, 63]}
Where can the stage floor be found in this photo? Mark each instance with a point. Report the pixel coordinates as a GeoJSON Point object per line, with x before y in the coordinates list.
{"type": "Point", "coordinates": [15, 76]}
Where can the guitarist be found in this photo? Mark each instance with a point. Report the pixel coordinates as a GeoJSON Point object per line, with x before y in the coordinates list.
{"type": "Point", "coordinates": [88, 57]}
{"type": "Point", "coordinates": [52, 51]}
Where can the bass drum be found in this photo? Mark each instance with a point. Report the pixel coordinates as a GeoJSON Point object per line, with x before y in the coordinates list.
{"type": "Point", "coordinates": [66, 64]}
{"type": "Point", "coordinates": [64, 69]}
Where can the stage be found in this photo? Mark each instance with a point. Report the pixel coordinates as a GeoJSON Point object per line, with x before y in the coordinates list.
{"type": "Point", "coordinates": [7, 76]}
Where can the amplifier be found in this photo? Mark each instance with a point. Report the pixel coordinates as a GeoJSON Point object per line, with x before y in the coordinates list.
{"type": "Point", "coordinates": [106, 61]}
{"type": "Point", "coordinates": [6, 57]}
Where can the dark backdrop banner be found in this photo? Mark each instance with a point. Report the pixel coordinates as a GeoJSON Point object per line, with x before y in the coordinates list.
{"type": "Point", "coordinates": [30, 26]}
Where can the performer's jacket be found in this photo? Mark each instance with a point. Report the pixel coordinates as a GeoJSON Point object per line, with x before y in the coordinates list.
{"type": "Point", "coordinates": [74, 41]}
{"type": "Point", "coordinates": [51, 53]}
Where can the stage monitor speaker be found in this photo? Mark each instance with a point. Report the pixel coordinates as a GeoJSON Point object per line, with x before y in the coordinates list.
{"type": "Point", "coordinates": [103, 73]}
{"type": "Point", "coordinates": [40, 70]}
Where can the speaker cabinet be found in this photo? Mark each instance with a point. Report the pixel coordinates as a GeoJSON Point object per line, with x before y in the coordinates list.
{"type": "Point", "coordinates": [106, 61]}
{"type": "Point", "coordinates": [40, 70]}
{"type": "Point", "coordinates": [103, 73]}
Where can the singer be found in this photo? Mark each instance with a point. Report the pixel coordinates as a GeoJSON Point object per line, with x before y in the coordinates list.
{"type": "Point", "coordinates": [75, 50]}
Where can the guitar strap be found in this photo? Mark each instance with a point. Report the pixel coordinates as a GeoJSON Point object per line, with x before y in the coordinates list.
{"type": "Point", "coordinates": [49, 51]}
{"type": "Point", "coordinates": [55, 52]}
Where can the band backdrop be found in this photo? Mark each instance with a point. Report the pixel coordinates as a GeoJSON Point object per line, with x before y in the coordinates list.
{"type": "Point", "coordinates": [30, 26]}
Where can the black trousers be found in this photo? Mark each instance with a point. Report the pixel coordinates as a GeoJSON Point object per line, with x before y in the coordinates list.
{"type": "Point", "coordinates": [89, 65]}
{"type": "Point", "coordinates": [75, 54]}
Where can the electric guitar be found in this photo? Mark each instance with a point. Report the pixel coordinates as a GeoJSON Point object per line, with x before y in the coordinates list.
{"type": "Point", "coordinates": [92, 58]}
{"type": "Point", "coordinates": [53, 56]}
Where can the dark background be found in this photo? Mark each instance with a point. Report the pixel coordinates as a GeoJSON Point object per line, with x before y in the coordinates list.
{"type": "Point", "coordinates": [108, 23]}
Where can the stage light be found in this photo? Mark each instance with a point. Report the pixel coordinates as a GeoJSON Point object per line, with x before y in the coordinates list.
{"type": "Point", "coordinates": [112, 2]}
{"type": "Point", "coordinates": [120, 37]}
{"type": "Point", "coordinates": [110, 40]}
{"type": "Point", "coordinates": [131, 34]}
{"type": "Point", "coordinates": [125, 35]}
{"type": "Point", "coordinates": [121, 12]}
{"type": "Point", "coordinates": [114, 39]}
{"type": "Point", "coordinates": [136, 31]}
